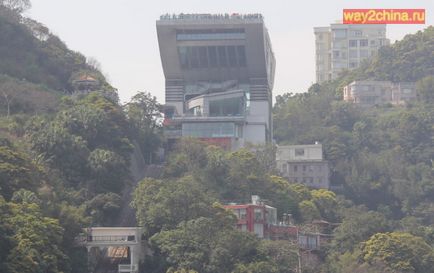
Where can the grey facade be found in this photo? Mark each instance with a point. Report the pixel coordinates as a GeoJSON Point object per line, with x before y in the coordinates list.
{"type": "Point", "coordinates": [219, 72]}
{"type": "Point", "coordinates": [303, 164]}
{"type": "Point", "coordinates": [339, 47]}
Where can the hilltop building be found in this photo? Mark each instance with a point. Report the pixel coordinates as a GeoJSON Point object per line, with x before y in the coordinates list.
{"type": "Point", "coordinates": [369, 93]}
{"type": "Point", "coordinates": [219, 72]}
{"type": "Point", "coordinates": [342, 46]}
{"type": "Point", "coordinates": [261, 220]}
{"type": "Point", "coordinates": [304, 164]}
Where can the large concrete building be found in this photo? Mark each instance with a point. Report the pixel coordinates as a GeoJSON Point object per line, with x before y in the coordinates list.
{"type": "Point", "coordinates": [304, 164]}
{"type": "Point", "coordinates": [369, 93]}
{"type": "Point", "coordinates": [219, 72]}
{"type": "Point", "coordinates": [342, 46]}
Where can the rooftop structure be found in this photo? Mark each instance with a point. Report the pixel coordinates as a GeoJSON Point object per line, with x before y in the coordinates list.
{"type": "Point", "coordinates": [114, 243]}
{"type": "Point", "coordinates": [304, 164]}
{"type": "Point", "coordinates": [369, 93]}
{"type": "Point", "coordinates": [261, 220]}
{"type": "Point", "coordinates": [219, 72]}
{"type": "Point", "coordinates": [343, 46]}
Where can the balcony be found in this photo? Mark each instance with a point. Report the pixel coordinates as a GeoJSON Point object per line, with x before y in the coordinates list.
{"type": "Point", "coordinates": [106, 240]}
{"type": "Point", "coordinates": [130, 268]}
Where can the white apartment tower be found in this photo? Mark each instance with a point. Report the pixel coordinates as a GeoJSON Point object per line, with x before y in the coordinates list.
{"type": "Point", "coordinates": [344, 46]}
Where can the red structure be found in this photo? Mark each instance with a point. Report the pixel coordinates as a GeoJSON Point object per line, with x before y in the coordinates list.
{"type": "Point", "coordinates": [261, 219]}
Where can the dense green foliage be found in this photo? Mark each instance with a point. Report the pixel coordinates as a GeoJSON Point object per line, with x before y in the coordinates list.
{"type": "Point", "coordinates": [65, 165]}
{"type": "Point", "coordinates": [64, 161]}
{"type": "Point", "coordinates": [381, 159]}
{"type": "Point", "coordinates": [188, 228]}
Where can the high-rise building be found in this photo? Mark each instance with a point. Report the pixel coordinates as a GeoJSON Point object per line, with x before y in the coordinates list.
{"type": "Point", "coordinates": [219, 72]}
{"type": "Point", "coordinates": [344, 46]}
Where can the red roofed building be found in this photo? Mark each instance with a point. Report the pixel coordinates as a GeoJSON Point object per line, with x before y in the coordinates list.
{"type": "Point", "coordinates": [261, 220]}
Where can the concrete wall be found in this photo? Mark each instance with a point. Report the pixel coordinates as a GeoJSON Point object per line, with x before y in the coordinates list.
{"type": "Point", "coordinates": [292, 152]}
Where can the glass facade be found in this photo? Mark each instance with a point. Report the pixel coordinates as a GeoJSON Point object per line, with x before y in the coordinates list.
{"type": "Point", "coordinates": [227, 107]}
{"type": "Point", "coordinates": [210, 34]}
{"type": "Point", "coordinates": [194, 57]}
{"type": "Point", "coordinates": [209, 129]}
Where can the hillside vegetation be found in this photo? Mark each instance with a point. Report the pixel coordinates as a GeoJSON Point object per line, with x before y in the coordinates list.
{"type": "Point", "coordinates": [65, 163]}
{"type": "Point", "coordinates": [64, 157]}
{"type": "Point", "coordinates": [381, 159]}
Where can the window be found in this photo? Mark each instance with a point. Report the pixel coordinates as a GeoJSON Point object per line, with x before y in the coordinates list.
{"type": "Point", "coordinates": [259, 216]}
{"type": "Point", "coordinates": [336, 54]}
{"type": "Point", "coordinates": [353, 64]}
{"type": "Point", "coordinates": [310, 168]}
{"type": "Point", "coordinates": [222, 56]}
{"type": "Point", "coordinates": [237, 213]}
{"type": "Point", "coordinates": [353, 54]}
{"type": "Point", "coordinates": [194, 57]}
{"type": "Point", "coordinates": [183, 56]}
{"type": "Point", "coordinates": [208, 129]}
{"type": "Point", "coordinates": [203, 57]}
{"type": "Point", "coordinates": [258, 229]}
{"type": "Point", "coordinates": [212, 54]}
{"type": "Point", "coordinates": [356, 33]}
{"type": "Point", "coordinates": [284, 168]}
{"type": "Point", "coordinates": [364, 53]}
{"type": "Point", "coordinates": [363, 42]}
{"type": "Point", "coordinates": [209, 34]}
{"type": "Point", "coordinates": [241, 54]}
{"type": "Point", "coordinates": [299, 152]}
{"type": "Point", "coordinates": [243, 227]}
{"type": "Point", "coordinates": [227, 107]}
{"type": "Point", "coordinates": [295, 168]}
{"type": "Point", "coordinates": [304, 168]}
{"type": "Point", "coordinates": [340, 33]}
{"type": "Point", "coordinates": [352, 43]}
{"type": "Point", "coordinates": [232, 56]}
{"type": "Point", "coordinates": [243, 214]}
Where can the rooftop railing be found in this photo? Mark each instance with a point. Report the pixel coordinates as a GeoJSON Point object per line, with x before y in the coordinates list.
{"type": "Point", "coordinates": [226, 16]}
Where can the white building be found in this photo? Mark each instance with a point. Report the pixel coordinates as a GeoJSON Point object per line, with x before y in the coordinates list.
{"type": "Point", "coordinates": [369, 93]}
{"type": "Point", "coordinates": [304, 164]}
{"type": "Point", "coordinates": [344, 46]}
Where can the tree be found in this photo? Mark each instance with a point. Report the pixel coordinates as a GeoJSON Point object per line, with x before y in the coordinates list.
{"type": "Point", "coordinates": [164, 204]}
{"type": "Point", "coordinates": [204, 245]}
{"type": "Point", "coordinates": [399, 251]}
{"type": "Point", "coordinates": [16, 5]}
{"type": "Point", "coordinates": [36, 240]}
{"type": "Point", "coordinates": [145, 116]}
{"type": "Point", "coordinates": [357, 226]}
{"type": "Point", "coordinates": [425, 89]}
{"type": "Point", "coordinates": [16, 170]}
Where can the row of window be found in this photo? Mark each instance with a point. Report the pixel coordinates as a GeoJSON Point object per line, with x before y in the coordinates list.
{"type": "Point", "coordinates": [242, 214]}
{"type": "Point", "coordinates": [308, 180]}
{"type": "Point", "coordinates": [210, 129]}
{"type": "Point", "coordinates": [353, 54]}
{"type": "Point", "coordinates": [193, 57]}
{"type": "Point", "coordinates": [304, 168]}
{"type": "Point", "coordinates": [210, 36]}
{"type": "Point", "coordinates": [342, 33]}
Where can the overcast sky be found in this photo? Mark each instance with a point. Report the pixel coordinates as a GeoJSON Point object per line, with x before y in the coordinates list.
{"type": "Point", "coordinates": [121, 34]}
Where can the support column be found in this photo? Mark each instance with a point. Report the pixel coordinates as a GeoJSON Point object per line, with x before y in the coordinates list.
{"type": "Point", "coordinates": [132, 257]}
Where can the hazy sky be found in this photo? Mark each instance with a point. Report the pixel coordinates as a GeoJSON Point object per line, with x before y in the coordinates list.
{"type": "Point", "coordinates": [121, 34]}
